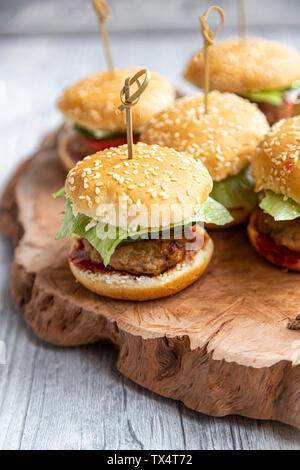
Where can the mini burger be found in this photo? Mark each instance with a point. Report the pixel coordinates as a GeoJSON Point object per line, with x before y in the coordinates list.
{"type": "Point", "coordinates": [274, 228]}
{"type": "Point", "coordinates": [136, 224]}
{"type": "Point", "coordinates": [90, 106]}
{"type": "Point", "coordinates": [224, 140]}
{"type": "Point", "coordinates": [265, 72]}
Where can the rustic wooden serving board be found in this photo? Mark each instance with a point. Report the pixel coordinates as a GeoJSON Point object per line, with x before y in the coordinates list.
{"type": "Point", "coordinates": [221, 346]}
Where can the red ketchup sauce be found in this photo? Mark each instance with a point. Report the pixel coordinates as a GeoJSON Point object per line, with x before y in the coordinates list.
{"type": "Point", "coordinates": [79, 257]}
{"type": "Point", "coordinates": [278, 254]}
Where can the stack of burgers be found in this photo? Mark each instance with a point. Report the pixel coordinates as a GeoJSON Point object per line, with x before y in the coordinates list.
{"type": "Point", "coordinates": [140, 226]}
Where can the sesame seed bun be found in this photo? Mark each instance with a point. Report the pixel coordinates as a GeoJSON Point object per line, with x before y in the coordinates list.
{"type": "Point", "coordinates": [129, 287]}
{"type": "Point", "coordinates": [93, 101]}
{"type": "Point", "coordinates": [272, 255]}
{"type": "Point", "coordinates": [157, 182]}
{"type": "Point", "coordinates": [248, 65]}
{"type": "Point", "coordinates": [240, 215]}
{"type": "Point", "coordinates": [224, 139]}
{"type": "Point", "coordinates": [276, 162]}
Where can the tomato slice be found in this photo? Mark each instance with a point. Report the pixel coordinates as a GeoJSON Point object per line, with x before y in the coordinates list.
{"type": "Point", "coordinates": [278, 254]}
{"type": "Point", "coordinates": [102, 144]}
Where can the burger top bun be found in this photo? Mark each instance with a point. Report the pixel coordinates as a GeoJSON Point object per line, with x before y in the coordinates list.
{"type": "Point", "coordinates": [93, 101]}
{"type": "Point", "coordinates": [156, 188]}
{"type": "Point", "coordinates": [224, 139]}
{"type": "Point", "coordinates": [276, 163]}
{"type": "Point", "coordinates": [246, 65]}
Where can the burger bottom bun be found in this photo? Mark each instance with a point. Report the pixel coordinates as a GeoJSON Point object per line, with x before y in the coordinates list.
{"type": "Point", "coordinates": [240, 215]}
{"type": "Point", "coordinates": [283, 261]}
{"type": "Point", "coordinates": [64, 155]}
{"type": "Point", "coordinates": [128, 287]}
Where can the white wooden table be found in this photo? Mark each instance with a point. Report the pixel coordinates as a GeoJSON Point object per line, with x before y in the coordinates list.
{"type": "Point", "coordinates": [56, 398]}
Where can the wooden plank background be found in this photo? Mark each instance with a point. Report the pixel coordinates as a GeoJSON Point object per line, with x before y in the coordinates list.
{"type": "Point", "coordinates": [56, 398]}
{"type": "Point", "coordinates": [60, 16]}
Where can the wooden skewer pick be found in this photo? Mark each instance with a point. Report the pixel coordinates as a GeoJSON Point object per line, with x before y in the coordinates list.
{"type": "Point", "coordinates": [242, 18]}
{"type": "Point", "coordinates": [208, 38]}
{"type": "Point", "coordinates": [104, 14]}
{"type": "Point", "coordinates": [128, 118]}
{"type": "Point", "coordinates": [130, 100]}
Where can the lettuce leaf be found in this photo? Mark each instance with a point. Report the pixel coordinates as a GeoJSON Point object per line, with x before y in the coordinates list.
{"type": "Point", "coordinates": [105, 238]}
{"type": "Point", "coordinates": [77, 225]}
{"type": "Point", "coordinates": [236, 191]}
{"type": "Point", "coordinates": [60, 193]}
{"type": "Point", "coordinates": [270, 96]}
{"type": "Point", "coordinates": [213, 212]}
{"type": "Point", "coordinates": [98, 134]}
{"type": "Point", "coordinates": [280, 209]}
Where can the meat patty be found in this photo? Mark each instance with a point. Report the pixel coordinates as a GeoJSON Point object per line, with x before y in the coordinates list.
{"type": "Point", "coordinates": [275, 113]}
{"type": "Point", "coordinates": [77, 148]}
{"type": "Point", "coordinates": [150, 257]}
{"type": "Point", "coordinates": [286, 232]}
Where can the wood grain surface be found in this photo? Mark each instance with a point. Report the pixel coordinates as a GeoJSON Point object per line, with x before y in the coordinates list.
{"type": "Point", "coordinates": [220, 346]}
{"type": "Point", "coordinates": [53, 397]}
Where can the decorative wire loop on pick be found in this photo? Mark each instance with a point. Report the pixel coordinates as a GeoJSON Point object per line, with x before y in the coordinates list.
{"type": "Point", "coordinates": [208, 38]}
{"type": "Point", "coordinates": [104, 14]}
{"type": "Point", "coordinates": [130, 100]}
